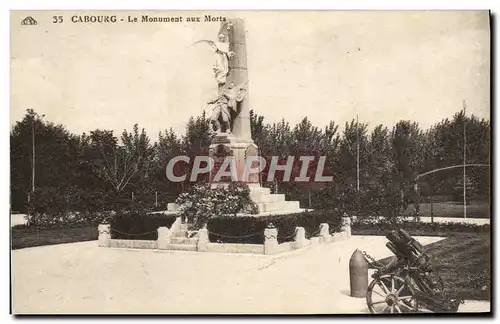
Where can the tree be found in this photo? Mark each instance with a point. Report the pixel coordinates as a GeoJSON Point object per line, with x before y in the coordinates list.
{"type": "Point", "coordinates": [354, 134]}
{"type": "Point", "coordinates": [169, 145]}
{"type": "Point", "coordinates": [56, 158]}
{"type": "Point", "coordinates": [121, 166]}
{"type": "Point", "coordinates": [407, 144]}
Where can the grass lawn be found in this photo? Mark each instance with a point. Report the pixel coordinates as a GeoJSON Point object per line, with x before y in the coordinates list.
{"type": "Point", "coordinates": [23, 237]}
{"type": "Point", "coordinates": [476, 209]}
{"type": "Point", "coordinates": [463, 261]}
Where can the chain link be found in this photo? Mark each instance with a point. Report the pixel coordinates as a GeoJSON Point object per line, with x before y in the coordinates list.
{"type": "Point", "coordinates": [230, 236]}
{"type": "Point", "coordinates": [371, 260]}
{"type": "Point", "coordinates": [129, 234]}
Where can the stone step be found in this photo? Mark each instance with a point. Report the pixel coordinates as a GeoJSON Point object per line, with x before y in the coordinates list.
{"type": "Point", "coordinates": [180, 234]}
{"type": "Point", "coordinates": [280, 212]}
{"type": "Point", "coordinates": [183, 247]}
{"type": "Point", "coordinates": [185, 233]}
{"type": "Point", "coordinates": [184, 240]}
{"type": "Point", "coordinates": [266, 198]}
{"type": "Point", "coordinates": [278, 205]}
{"type": "Point", "coordinates": [259, 189]}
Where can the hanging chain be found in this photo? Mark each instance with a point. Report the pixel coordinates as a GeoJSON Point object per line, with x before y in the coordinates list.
{"type": "Point", "coordinates": [372, 260]}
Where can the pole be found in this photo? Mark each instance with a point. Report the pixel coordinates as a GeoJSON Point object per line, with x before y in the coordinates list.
{"type": "Point", "coordinates": [432, 215]}
{"type": "Point", "coordinates": [464, 155]}
{"type": "Point", "coordinates": [33, 157]}
{"type": "Point", "coordinates": [357, 153]}
{"type": "Point", "coordinates": [156, 198]}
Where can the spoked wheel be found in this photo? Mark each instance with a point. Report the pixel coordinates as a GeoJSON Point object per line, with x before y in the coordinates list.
{"type": "Point", "coordinates": [390, 294]}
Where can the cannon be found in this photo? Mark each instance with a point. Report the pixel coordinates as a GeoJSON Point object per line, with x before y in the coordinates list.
{"type": "Point", "coordinates": [408, 284]}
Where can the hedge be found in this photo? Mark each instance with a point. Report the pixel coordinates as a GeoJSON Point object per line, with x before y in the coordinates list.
{"type": "Point", "coordinates": [24, 237]}
{"type": "Point", "coordinates": [418, 228]}
{"type": "Point", "coordinates": [139, 226]}
{"type": "Point", "coordinates": [250, 229]}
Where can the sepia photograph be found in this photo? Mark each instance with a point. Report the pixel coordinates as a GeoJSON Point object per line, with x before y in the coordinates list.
{"type": "Point", "coordinates": [250, 162]}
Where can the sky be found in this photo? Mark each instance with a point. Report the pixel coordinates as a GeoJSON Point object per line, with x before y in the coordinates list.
{"type": "Point", "coordinates": [384, 66]}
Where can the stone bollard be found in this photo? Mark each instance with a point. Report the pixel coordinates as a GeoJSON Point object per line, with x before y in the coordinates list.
{"type": "Point", "coordinates": [203, 240]}
{"type": "Point", "coordinates": [358, 274]}
{"type": "Point", "coordinates": [270, 239]}
{"type": "Point", "coordinates": [104, 234]}
{"type": "Point", "coordinates": [164, 238]}
{"type": "Point", "coordinates": [300, 238]}
{"type": "Point", "coordinates": [346, 226]}
{"type": "Point", "coordinates": [324, 232]}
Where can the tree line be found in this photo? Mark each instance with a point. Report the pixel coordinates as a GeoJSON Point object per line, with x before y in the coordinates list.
{"type": "Point", "coordinates": [102, 170]}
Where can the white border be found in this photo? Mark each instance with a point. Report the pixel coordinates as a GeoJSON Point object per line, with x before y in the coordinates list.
{"type": "Point", "coordinates": [212, 5]}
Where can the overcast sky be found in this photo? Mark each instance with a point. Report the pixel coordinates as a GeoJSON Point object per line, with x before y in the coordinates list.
{"type": "Point", "coordinates": [385, 66]}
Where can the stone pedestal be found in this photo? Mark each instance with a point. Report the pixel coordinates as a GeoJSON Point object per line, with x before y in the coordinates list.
{"type": "Point", "coordinates": [227, 147]}
{"type": "Point", "coordinates": [203, 240]}
{"type": "Point", "coordinates": [346, 226]}
{"type": "Point", "coordinates": [324, 232]}
{"type": "Point", "coordinates": [270, 240]}
{"type": "Point", "coordinates": [104, 231]}
{"type": "Point", "coordinates": [300, 238]}
{"type": "Point", "coordinates": [164, 238]}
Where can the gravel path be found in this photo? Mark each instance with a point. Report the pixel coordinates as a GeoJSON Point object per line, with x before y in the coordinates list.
{"type": "Point", "coordinates": [83, 278]}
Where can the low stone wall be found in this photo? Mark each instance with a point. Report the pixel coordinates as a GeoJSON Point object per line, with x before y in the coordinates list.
{"type": "Point", "coordinates": [270, 246]}
{"type": "Point", "coordinates": [133, 244]}
{"type": "Point", "coordinates": [235, 248]}
{"type": "Point", "coordinates": [285, 247]}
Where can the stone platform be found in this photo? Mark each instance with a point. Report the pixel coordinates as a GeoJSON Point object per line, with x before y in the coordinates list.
{"type": "Point", "coordinates": [268, 203]}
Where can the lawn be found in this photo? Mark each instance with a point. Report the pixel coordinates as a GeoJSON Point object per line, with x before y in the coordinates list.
{"type": "Point", "coordinates": [22, 237]}
{"type": "Point", "coordinates": [476, 209]}
{"type": "Point", "coordinates": [463, 261]}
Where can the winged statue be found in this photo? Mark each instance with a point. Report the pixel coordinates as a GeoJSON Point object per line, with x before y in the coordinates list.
{"type": "Point", "coordinates": [222, 57]}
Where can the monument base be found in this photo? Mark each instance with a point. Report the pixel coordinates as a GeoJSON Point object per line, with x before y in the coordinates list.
{"type": "Point", "coordinates": [227, 145]}
{"type": "Point", "coordinates": [272, 204]}
{"type": "Point", "coordinates": [269, 204]}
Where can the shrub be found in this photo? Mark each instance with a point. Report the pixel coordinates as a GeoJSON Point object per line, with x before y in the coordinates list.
{"type": "Point", "coordinates": [57, 220]}
{"type": "Point", "coordinates": [23, 237]}
{"type": "Point", "coordinates": [201, 202]}
{"type": "Point", "coordinates": [139, 226]}
{"type": "Point", "coordinates": [418, 228]}
{"type": "Point", "coordinates": [250, 229]}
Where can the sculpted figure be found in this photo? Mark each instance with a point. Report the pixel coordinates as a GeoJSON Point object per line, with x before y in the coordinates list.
{"type": "Point", "coordinates": [222, 57]}
{"type": "Point", "coordinates": [223, 104]}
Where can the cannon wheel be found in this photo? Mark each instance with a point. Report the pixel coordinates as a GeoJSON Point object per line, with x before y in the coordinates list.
{"type": "Point", "coordinates": [391, 294]}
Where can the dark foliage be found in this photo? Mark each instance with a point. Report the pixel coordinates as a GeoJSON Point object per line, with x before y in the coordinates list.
{"type": "Point", "coordinates": [139, 225]}
{"type": "Point", "coordinates": [24, 237]}
{"type": "Point", "coordinates": [418, 228]}
{"type": "Point", "coordinates": [250, 230]}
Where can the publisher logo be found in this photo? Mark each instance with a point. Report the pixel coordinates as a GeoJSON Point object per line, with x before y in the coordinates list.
{"type": "Point", "coordinates": [29, 21]}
